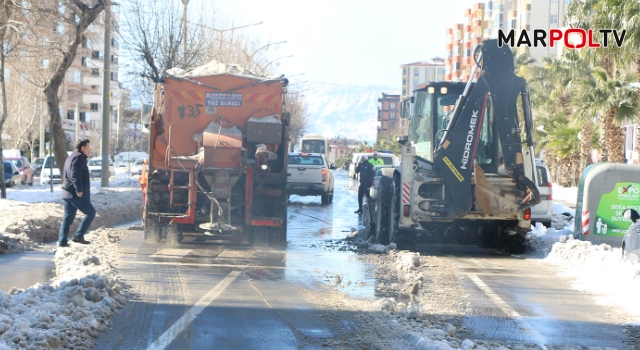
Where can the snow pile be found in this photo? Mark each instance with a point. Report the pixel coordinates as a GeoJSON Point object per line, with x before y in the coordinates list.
{"type": "Point", "coordinates": [211, 68]}
{"type": "Point", "coordinates": [26, 223]}
{"type": "Point", "coordinates": [71, 310]}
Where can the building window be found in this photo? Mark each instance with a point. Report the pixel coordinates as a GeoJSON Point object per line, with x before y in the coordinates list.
{"type": "Point", "coordinates": [432, 74]}
{"type": "Point", "coordinates": [449, 53]}
{"type": "Point", "coordinates": [86, 43]}
{"type": "Point", "coordinates": [83, 116]}
{"type": "Point", "coordinates": [95, 72]}
{"type": "Point", "coordinates": [45, 63]}
{"type": "Point", "coordinates": [553, 19]}
{"type": "Point", "coordinates": [392, 115]}
{"type": "Point", "coordinates": [392, 106]}
{"type": "Point", "coordinates": [404, 71]}
{"type": "Point", "coordinates": [86, 62]}
{"type": "Point", "coordinates": [94, 107]}
{"type": "Point", "coordinates": [114, 42]}
{"type": "Point", "coordinates": [74, 76]}
{"type": "Point", "coordinates": [393, 125]}
{"type": "Point", "coordinates": [416, 71]}
{"type": "Point", "coordinates": [404, 92]}
{"type": "Point", "coordinates": [114, 76]}
{"type": "Point", "coordinates": [456, 51]}
{"type": "Point", "coordinates": [457, 68]}
{"type": "Point", "coordinates": [114, 59]}
{"type": "Point", "coordinates": [512, 24]}
{"type": "Point", "coordinates": [96, 54]}
{"type": "Point", "coordinates": [440, 74]}
{"type": "Point", "coordinates": [70, 114]}
{"type": "Point", "coordinates": [467, 53]}
{"type": "Point", "coordinates": [404, 81]}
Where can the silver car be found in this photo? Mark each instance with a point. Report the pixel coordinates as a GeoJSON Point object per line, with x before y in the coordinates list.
{"type": "Point", "coordinates": [543, 212]}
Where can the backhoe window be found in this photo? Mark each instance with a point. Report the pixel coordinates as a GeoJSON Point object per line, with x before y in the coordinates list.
{"type": "Point", "coordinates": [486, 142]}
{"type": "Point", "coordinates": [420, 126]}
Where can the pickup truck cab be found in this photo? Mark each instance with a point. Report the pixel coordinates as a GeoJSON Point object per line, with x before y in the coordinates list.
{"type": "Point", "coordinates": [310, 175]}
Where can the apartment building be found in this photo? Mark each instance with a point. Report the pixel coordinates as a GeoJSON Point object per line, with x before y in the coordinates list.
{"type": "Point", "coordinates": [417, 73]}
{"type": "Point", "coordinates": [484, 20]}
{"type": "Point", "coordinates": [341, 147]}
{"type": "Point", "coordinates": [84, 84]}
{"type": "Point", "coordinates": [389, 121]}
{"type": "Point", "coordinates": [81, 90]}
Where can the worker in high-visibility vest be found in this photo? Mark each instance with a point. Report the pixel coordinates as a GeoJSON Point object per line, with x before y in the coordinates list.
{"type": "Point", "coordinates": [143, 182]}
{"type": "Point", "coordinates": [375, 160]}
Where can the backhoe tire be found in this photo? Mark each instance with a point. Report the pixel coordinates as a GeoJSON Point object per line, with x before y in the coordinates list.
{"type": "Point", "coordinates": [394, 212]}
{"type": "Point", "coordinates": [368, 220]}
{"type": "Point", "coordinates": [384, 211]}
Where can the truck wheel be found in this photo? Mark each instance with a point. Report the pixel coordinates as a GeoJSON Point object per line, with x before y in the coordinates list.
{"type": "Point", "coordinates": [382, 224]}
{"type": "Point", "coordinates": [331, 196]}
{"type": "Point", "coordinates": [152, 230]}
{"type": "Point", "coordinates": [173, 233]}
{"type": "Point", "coordinates": [325, 198]}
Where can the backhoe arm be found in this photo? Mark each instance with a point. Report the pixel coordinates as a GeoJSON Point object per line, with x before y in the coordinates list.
{"type": "Point", "coordinates": [455, 156]}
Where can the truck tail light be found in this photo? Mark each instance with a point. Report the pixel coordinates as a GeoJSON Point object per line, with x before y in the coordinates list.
{"type": "Point", "coordinates": [550, 191]}
{"type": "Point", "coordinates": [324, 175]}
{"type": "Point", "coordinates": [405, 210]}
{"type": "Point", "coordinates": [527, 214]}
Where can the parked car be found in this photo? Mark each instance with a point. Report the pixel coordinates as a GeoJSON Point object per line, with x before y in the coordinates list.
{"type": "Point", "coordinates": [95, 168]}
{"type": "Point", "coordinates": [24, 167]}
{"type": "Point", "coordinates": [50, 172]}
{"type": "Point", "coordinates": [543, 211]}
{"type": "Point", "coordinates": [389, 159]}
{"type": "Point", "coordinates": [37, 166]}
{"type": "Point", "coordinates": [136, 169]}
{"type": "Point", "coordinates": [11, 174]}
{"type": "Point", "coordinates": [309, 174]}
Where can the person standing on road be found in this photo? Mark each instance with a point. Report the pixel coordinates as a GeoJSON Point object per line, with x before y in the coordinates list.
{"type": "Point", "coordinates": [375, 160]}
{"type": "Point", "coordinates": [366, 171]}
{"type": "Point", "coordinates": [76, 194]}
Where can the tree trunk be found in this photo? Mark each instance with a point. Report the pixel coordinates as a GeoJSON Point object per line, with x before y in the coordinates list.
{"type": "Point", "coordinates": [585, 146]}
{"type": "Point", "coordinates": [58, 139]}
{"type": "Point", "coordinates": [614, 138]}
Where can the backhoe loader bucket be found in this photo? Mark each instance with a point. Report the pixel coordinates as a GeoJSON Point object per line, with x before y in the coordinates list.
{"type": "Point", "coordinates": [491, 199]}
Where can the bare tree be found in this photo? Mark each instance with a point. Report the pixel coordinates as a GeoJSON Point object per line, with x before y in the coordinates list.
{"type": "Point", "coordinates": [78, 15]}
{"type": "Point", "coordinates": [8, 27]}
{"type": "Point", "coordinates": [297, 107]}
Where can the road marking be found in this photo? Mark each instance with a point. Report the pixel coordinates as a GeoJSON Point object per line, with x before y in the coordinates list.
{"type": "Point", "coordinates": [180, 325]}
{"type": "Point", "coordinates": [511, 313]}
{"type": "Point", "coordinates": [171, 253]}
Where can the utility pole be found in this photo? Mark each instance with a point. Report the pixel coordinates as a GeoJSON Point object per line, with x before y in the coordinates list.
{"type": "Point", "coordinates": [184, 28]}
{"type": "Point", "coordinates": [77, 120]}
{"type": "Point", "coordinates": [106, 92]}
{"type": "Point", "coordinates": [118, 127]}
{"type": "Point", "coordinates": [42, 142]}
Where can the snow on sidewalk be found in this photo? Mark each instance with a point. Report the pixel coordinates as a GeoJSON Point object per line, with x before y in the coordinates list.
{"type": "Point", "coordinates": [70, 310]}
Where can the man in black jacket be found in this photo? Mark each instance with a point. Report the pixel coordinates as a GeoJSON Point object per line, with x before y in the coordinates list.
{"type": "Point", "coordinates": [76, 194]}
{"type": "Point", "coordinates": [367, 172]}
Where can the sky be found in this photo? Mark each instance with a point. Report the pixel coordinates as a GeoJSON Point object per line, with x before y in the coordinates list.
{"type": "Point", "coordinates": [359, 42]}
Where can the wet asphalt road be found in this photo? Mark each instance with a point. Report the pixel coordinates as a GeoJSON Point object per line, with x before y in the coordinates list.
{"type": "Point", "coordinates": [223, 293]}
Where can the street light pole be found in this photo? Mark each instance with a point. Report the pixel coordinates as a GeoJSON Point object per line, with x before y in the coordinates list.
{"type": "Point", "coordinates": [106, 92]}
{"type": "Point", "coordinates": [184, 28]}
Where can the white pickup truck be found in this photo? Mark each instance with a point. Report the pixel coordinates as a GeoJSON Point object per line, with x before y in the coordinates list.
{"type": "Point", "coordinates": [310, 175]}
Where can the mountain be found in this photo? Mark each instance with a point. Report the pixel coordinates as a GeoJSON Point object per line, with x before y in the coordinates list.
{"type": "Point", "coordinates": [344, 110]}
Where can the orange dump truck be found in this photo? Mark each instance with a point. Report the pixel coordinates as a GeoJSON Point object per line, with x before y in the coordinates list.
{"type": "Point", "coordinates": [218, 156]}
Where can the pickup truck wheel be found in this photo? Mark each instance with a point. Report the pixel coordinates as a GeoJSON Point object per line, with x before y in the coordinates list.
{"type": "Point", "coordinates": [325, 198]}
{"type": "Point", "coordinates": [331, 196]}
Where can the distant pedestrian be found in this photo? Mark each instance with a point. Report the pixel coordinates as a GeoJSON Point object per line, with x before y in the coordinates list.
{"type": "Point", "coordinates": [143, 181]}
{"type": "Point", "coordinates": [375, 160]}
{"type": "Point", "coordinates": [366, 171]}
{"type": "Point", "coordinates": [76, 194]}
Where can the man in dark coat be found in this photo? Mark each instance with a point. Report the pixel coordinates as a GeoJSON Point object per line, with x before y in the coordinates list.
{"type": "Point", "coordinates": [76, 194]}
{"type": "Point", "coordinates": [367, 172]}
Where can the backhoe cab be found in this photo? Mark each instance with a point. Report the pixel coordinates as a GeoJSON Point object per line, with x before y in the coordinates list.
{"type": "Point", "coordinates": [464, 161]}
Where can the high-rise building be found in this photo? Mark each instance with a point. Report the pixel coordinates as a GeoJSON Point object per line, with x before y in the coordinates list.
{"type": "Point", "coordinates": [484, 20]}
{"type": "Point", "coordinates": [81, 90]}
